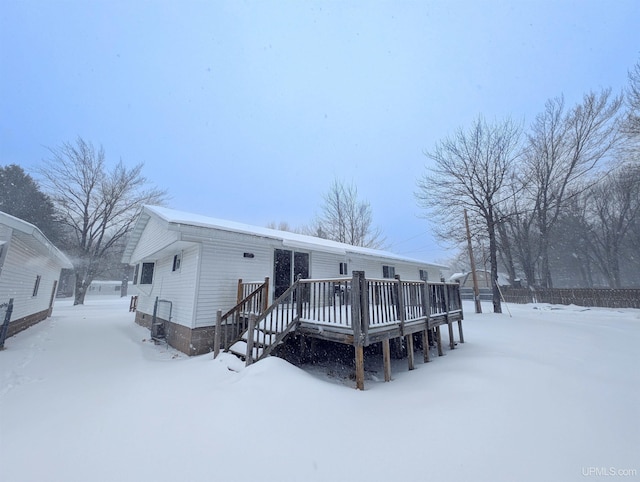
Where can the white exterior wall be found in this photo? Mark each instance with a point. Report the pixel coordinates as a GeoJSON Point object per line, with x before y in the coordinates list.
{"type": "Point", "coordinates": [154, 237]}
{"type": "Point", "coordinates": [178, 286]}
{"type": "Point", "coordinates": [407, 271]}
{"type": "Point", "coordinates": [18, 277]}
{"type": "Point", "coordinates": [223, 263]}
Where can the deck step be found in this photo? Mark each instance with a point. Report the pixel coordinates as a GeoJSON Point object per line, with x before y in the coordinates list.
{"type": "Point", "coordinates": [239, 348]}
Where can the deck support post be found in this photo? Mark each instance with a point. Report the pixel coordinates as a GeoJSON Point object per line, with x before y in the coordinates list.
{"type": "Point", "coordinates": [447, 304]}
{"type": "Point", "coordinates": [250, 334]}
{"type": "Point", "coordinates": [460, 331]}
{"type": "Point", "coordinates": [386, 358]}
{"type": "Point", "coordinates": [425, 345]}
{"type": "Point", "coordinates": [217, 335]}
{"type": "Point", "coordinates": [452, 342]}
{"type": "Point", "coordinates": [410, 359]}
{"type": "Point", "coordinates": [439, 341]}
{"type": "Point", "coordinates": [359, 367]}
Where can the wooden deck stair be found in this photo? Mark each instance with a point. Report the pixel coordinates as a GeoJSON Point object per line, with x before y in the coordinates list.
{"type": "Point", "coordinates": [264, 331]}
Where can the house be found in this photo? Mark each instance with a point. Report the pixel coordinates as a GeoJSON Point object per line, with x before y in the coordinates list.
{"type": "Point", "coordinates": [30, 268]}
{"type": "Point", "coordinates": [110, 288]}
{"type": "Point", "coordinates": [187, 268]}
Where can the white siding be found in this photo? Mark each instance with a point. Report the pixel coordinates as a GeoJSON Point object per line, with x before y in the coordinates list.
{"type": "Point", "coordinates": [154, 237]}
{"type": "Point", "coordinates": [18, 277]}
{"type": "Point", "coordinates": [223, 263]}
{"type": "Point", "coordinates": [179, 287]}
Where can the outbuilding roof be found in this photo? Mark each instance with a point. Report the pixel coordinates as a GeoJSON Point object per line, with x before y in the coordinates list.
{"type": "Point", "coordinates": [35, 239]}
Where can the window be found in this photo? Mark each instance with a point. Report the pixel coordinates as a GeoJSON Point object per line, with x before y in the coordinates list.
{"type": "Point", "coordinates": [388, 271]}
{"type": "Point", "coordinates": [343, 268]}
{"type": "Point", "coordinates": [424, 275]}
{"type": "Point", "coordinates": [146, 274]}
{"type": "Point", "coordinates": [36, 286]}
{"type": "Point", "coordinates": [135, 274]}
{"type": "Point", "coordinates": [177, 260]}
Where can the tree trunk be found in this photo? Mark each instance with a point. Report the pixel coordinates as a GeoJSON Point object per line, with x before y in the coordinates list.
{"type": "Point", "coordinates": [82, 286]}
{"type": "Point", "coordinates": [493, 257]}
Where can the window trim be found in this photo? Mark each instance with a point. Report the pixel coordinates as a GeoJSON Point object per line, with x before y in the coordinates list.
{"type": "Point", "coordinates": [177, 262]}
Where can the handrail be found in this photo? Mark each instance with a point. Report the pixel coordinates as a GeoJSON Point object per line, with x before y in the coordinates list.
{"type": "Point", "coordinates": [357, 304]}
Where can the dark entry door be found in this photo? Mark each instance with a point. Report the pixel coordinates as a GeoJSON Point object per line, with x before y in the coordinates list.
{"type": "Point", "coordinates": [281, 271]}
{"type": "Point", "coordinates": [287, 266]}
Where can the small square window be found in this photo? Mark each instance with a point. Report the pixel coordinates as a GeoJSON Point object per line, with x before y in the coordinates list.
{"type": "Point", "coordinates": [343, 268]}
{"type": "Point", "coordinates": [388, 271]}
{"type": "Point", "coordinates": [424, 275]}
{"type": "Point", "coordinates": [146, 275]}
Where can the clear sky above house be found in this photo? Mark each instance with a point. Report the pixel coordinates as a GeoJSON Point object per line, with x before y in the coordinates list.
{"type": "Point", "coordinates": [248, 110]}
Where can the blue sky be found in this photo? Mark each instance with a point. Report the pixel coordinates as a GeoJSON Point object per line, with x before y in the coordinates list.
{"type": "Point", "coordinates": [247, 111]}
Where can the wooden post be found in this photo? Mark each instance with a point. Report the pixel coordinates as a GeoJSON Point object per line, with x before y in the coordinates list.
{"type": "Point", "coordinates": [386, 358]}
{"type": "Point", "coordinates": [356, 305]}
{"type": "Point", "coordinates": [409, 339]}
{"type": "Point", "coordinates": [439, 341]}
{"type": "Point", "coordinates": [250, 330]}
{"type": "Point", "coordinates": [265, 295]}
{"type": "Point", "coordinates": [460, 331]}
{"type": "Point", "coordinates": [426, 303]}
{"type": "Point", "coordinates": [364, 308]}
{"type": "Point", "coordinates": [217, 335]}
{"type": "Point", "coordinates": [5, 323]}
{"type": "Point", "coordinates": [425, 345]}
{"type": "Point", "coordinates": [447, 305]}
{"type": "Point", "coordinates": [400, 303]}
{"type": "Point", "coordinates": [359, 367]}
{"type": "Point", "coordinates": [356, 322]}
{"type": "Point", "coordinates": [239, 293]}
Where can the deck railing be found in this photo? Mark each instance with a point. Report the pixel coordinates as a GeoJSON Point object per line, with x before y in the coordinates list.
{"type": "Point", "coordinates": [350, 305]}
{"type": "Point", "coordinates": [233, 323]}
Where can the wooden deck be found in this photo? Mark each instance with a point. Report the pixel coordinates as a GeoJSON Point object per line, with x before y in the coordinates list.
{"type": "Point", "coordinates": [357, 311]}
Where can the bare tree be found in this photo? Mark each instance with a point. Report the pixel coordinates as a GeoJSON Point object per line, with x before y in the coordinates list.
{"type": "Point", "coordinates": [632, 124]}
{"type": "Point", "coordinates": [96, 205]}
{"type": "Point", "coordinates": [471, 169]}
{"type": "Point", "coordinates": [346, 219]}
{"type": "Point", "coordinates": [613, 206]}
{"type": "Point", "coordinates": [564, 146]}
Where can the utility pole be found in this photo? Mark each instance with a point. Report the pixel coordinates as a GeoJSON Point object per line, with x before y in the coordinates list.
{"type": "Point", "coordinates": [476, 290]}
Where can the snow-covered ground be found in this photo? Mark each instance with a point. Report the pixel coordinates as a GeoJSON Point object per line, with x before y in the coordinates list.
{"type": "Point", "coordinates": [551, 394]}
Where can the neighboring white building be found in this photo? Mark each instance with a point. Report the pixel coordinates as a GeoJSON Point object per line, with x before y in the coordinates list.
{"type": "Point", "coordinates": [193, 263]}
{"type": "Point", "coordinates": [110, 288]}
{"type": "Point", "coordinates": [30, 268]}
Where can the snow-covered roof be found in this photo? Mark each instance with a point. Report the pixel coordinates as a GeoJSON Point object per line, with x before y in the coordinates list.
{"type": "Point", "coordinates": [36, 239]}
{"type": "Point", "coordinates": [293, 240]}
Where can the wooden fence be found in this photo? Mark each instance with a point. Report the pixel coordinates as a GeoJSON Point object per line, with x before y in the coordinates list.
{"type": "Point", "coordinates": [596, 297]}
